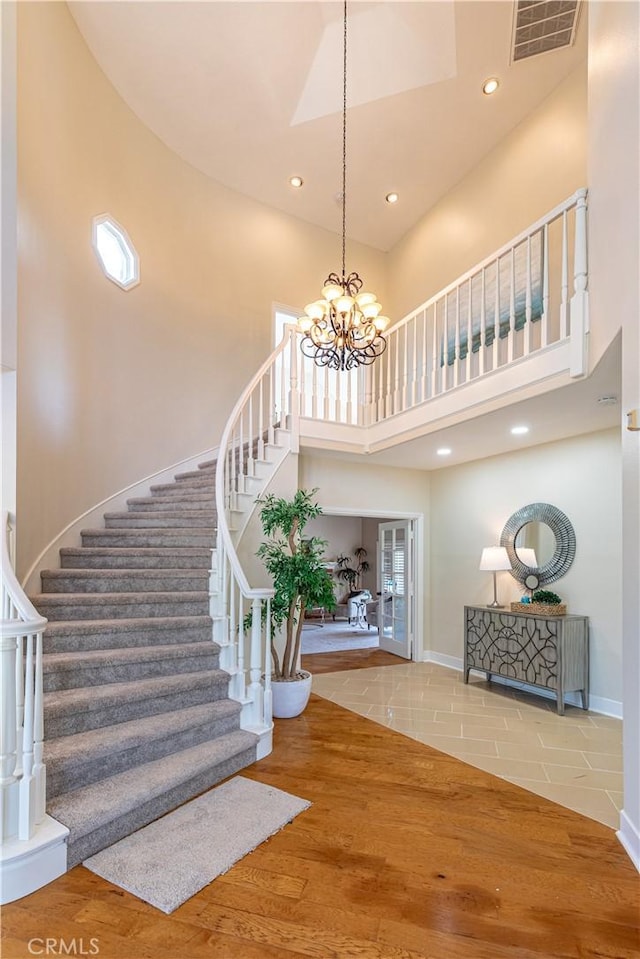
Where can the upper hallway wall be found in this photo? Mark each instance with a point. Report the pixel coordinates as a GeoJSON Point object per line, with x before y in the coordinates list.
{"type": "Point", "coordinates": [115, 385]}
{"type": "Point", "coordinates": [540, 163]}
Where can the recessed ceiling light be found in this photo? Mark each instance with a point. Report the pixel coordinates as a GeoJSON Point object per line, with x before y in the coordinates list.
{"type": "Point", "coordinates": [392, 198]}
{"type": "Point", "coordinates": [519, 430]}
{"type": "Point", "coordinates": [443, 451]}
{"type": "Point", "coordinates": [490, 86]}
{"type": "Point", "coordinates": [296, 181]}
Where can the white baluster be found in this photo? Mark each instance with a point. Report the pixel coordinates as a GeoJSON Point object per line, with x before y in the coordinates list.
{"type": "Point", "coordinates": [39, 769]}
{"type": "Point", "coordinates": [527, 308]}
{"type": "Point", "coordinates": [456, 358]}
{"type": "Point", "coordinates": [414, 364]}
{"type": "Point", "coordinates": [434, 353]}
{"type": "Point", "coordinates": [564, 299]}
{"type": "Point", "coordinates": [26, 794]}
{"type": "Point", "coordinates": [496, 320]}
{"type": "Point", "coordinates": [544, 252]}
{"type": "Point", "coordinates": [512, 307]}
{"type": "Point", "coordinates": [262, 426]}
{"type": "Point", "coordinates": [405, 370]}
{"type": "Point", "coordinates": [396, 375]}
{"type": "Point", "coordinates": [424, 377]}
{"type": "Point", "coordinates": [387, 401]}
{"type": "Point", "coordinates": [250, 438]}
{"type": "Point", "coordinates": [579, 306]}
{"type": "Point", "coordinates": [314, 391]}
{"type": "Point", "coordinates": [326, 396]}
{"type": "Point", "coordinates": [470, 331]}
{"type": "Point", "coordinates": [483, 328]}
{"type": "Point", "coordinates": [241, 682]}
{"type": "Point", "coordinates": [445, 348]}
{"type": "Point", "coordinates": [294, 396]}
{"type": "Point", "coordinates": [338, 409]}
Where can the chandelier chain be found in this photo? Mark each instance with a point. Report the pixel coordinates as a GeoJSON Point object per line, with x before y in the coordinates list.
{"type": "Point", "coordinates": [344, 143]}
{"type": "Point", "coordinates": [343, 330]}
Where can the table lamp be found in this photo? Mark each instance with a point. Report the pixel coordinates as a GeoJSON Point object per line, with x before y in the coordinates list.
{"type": "Point", "coordinates": [494, 558]}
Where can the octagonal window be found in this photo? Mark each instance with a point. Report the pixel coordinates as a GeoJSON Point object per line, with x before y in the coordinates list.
{"type": "Point", "coordinates": [116, 253]}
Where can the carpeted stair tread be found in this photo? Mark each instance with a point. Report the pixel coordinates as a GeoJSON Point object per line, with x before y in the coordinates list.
{"type": "Point", "coordinates": [141, 557]}
{"type": "Point", "coordinates": [171, 518]}
{"type": "Point", "coordinates": [102, 741]}
{"type": "Point", "coordinates": [202, 472]}
{"type": "Point", "coordinates": [69, 711]}
{"type": "Point", "coordinates": [158, 504]}
{"type": "Point", "coordinates": [167, 536]}
{"type": "Point", "coordinates": [69, 670]}
{"type": "Point", "coordinates": [88, 627]}
{"type": "Point", "coordinates": [56, 606]}
{"type": "Point", "coordinates": [135, 797]}
{"type": "Point", "coordinates": [76, 761]}
{"type": "Point", "coordinates": [55, 581]}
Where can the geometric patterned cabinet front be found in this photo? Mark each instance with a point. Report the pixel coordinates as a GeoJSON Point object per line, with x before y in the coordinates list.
{"type": "Point", "coordinates": [547, 651]}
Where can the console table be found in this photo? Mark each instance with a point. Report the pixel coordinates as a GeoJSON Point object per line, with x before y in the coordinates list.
{"type": "Point", "coordinates": [551, 652]}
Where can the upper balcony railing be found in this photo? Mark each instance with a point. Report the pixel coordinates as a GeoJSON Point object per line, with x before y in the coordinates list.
{"type": "Point", "coordinates": [525, 298]}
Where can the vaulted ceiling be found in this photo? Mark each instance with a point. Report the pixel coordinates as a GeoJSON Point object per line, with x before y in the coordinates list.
{"type": "Point", "coordinates": [251, 93]}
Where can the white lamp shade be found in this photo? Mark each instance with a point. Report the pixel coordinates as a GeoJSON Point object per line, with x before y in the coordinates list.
{"type": "Point", "coordinates": [494, 557]}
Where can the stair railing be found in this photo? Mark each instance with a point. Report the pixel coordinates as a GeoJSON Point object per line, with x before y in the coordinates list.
{"type": "Point", "coordinates": [22, 770]}
{"type": "Point", "coordinates": [266, 415]}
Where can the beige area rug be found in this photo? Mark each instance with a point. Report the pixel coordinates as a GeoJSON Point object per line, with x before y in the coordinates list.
{"type": "Point", "coordinates": [170, 860]}
{"type": "Point", "coordinates": [336, 637]}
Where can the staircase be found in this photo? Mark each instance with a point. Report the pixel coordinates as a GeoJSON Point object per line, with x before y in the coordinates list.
{"type": "Point", "coordinates": [136, 707]}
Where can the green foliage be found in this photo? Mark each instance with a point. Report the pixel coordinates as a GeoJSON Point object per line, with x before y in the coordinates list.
{"type": "Point", "coordinates": [295, 566]}
{"type": "Point", "coordinates": [546, 596]}
{"type": "Point", "coordinates": [351, 570]}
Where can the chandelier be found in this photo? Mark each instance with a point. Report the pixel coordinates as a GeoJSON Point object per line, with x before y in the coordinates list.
{"type": "Point", "coordinates": [343, 330]}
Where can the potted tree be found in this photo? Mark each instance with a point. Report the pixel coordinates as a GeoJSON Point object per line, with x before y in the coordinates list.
{"type": "Point", "coordinates": [300, 582]}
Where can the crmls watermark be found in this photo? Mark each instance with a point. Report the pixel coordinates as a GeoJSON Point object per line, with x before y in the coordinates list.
{"type": "Point", "coordinates": [64, 947]}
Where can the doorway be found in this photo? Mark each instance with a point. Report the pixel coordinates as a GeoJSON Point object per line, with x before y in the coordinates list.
{"type": "Point", "coordinates": [393, 612]}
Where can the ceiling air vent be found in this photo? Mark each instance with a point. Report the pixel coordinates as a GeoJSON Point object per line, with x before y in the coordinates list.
{"type": "Point", "coordinates": [543, 25]}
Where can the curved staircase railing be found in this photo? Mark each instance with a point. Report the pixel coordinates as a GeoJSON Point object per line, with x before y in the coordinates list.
{"type": "Point", "coordinates": [263, 422]}
{"type": "Point", "coordinates": [22, 770]}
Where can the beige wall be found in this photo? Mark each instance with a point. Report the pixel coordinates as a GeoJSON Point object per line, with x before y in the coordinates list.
{"type": "Point", "coordinates": [614, 283]}
{"type": "Point", "coordinates": [470, 505]}
{"type": "Point", "coordinates": [540, 163]}
{"type": "Point", "coordinates": [115, 385]}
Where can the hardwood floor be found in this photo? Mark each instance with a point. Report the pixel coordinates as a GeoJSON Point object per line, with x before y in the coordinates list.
{"type": "Point", "coordinates": [348, 659]}
{"type": "Point", "coordinates": [406, 853]}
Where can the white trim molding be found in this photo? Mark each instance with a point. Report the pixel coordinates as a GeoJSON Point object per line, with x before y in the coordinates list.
{"type": "Point", "coordinates": [630, 839]}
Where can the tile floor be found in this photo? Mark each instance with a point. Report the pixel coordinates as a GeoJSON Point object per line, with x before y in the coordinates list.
{"type": "Point", "coordinates": [574, 760]}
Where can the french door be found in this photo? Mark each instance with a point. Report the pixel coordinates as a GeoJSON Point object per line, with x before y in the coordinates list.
{"type": "Point", "coordinates": [396, 607]}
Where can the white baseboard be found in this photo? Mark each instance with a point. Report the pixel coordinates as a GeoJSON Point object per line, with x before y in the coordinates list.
{"type": "Point", "coordinates": [597, 704]}
{"type": "Point", "coordinates": [629, 836]}
{"type": "Point", "coordinates": [27, 865]}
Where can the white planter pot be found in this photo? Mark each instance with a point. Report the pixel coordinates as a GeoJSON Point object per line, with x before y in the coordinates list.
{"type": "Point", "coordinates": [290, 697]}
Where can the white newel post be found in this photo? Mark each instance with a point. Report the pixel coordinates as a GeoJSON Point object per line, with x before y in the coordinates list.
{"type": "Point", "coordinates": [579, 306]}
{"type": "Point", "coordinates": [256, 693]}
{"type": "Point", "coordinates": [8, 737]}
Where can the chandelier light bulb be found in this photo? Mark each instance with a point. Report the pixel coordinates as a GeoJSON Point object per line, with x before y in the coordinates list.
{"type": "Point", "coordinates": [304, 324]}
{"type": "Point", "coordinates": [381, 323]}
{"type": "Point", "coordinates": [343, 304]}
